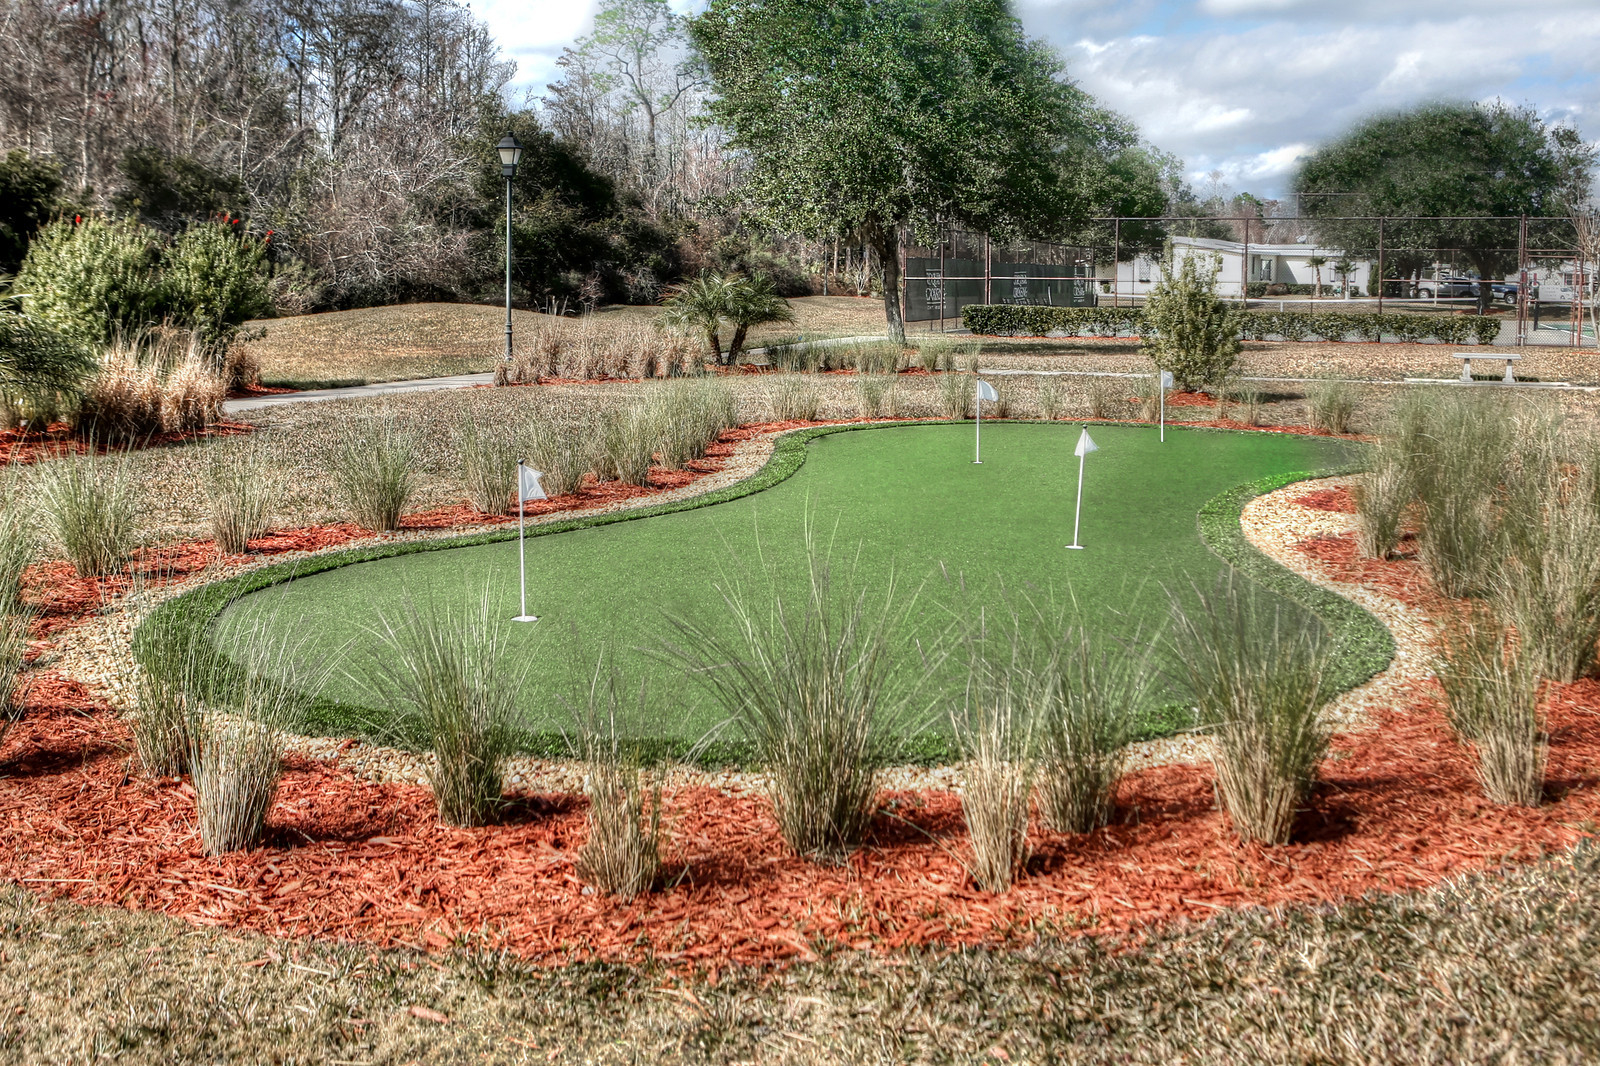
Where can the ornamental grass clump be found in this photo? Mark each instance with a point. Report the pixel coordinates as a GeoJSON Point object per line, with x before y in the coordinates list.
{"type": "Point", "coordinates": [626, 445]}
{"type": "Point", "coordinates": [1491, 687]}
{"type": "Point", "coordinates": [1051, 402]}
{"type": "Point", "coordinates": [993, 729]}
{"type": "Point", "coordinates": [793, 398]}
{"type": "Point", "coordinates": [1102, 397]}
{"type": "Point", "coordinates": [1090, 698]}
{"type": "Point", "coordinates": [450, 672]}
{"type": "Point", "coordinates": [1331, 404]}
{"type": "Point", "coordinates": [87, 504]}
{"type": "Point", "coordinates": [1549, 587]}
{"type": "Point", "coordinates": [236, 749]}
{"type": "Point", "coordinates": [621, 856]}
{"type": "Point", "coordinates": [170, 685]}
{"type": "Point", "coordinates": [689, 416]}
{"type": "Point", "coordinates": [19, 545]}
{"type": "Point", "coordinates": [374, 469]}
{"type": "Point", "coordinates": [562, 452]}
{"type": "Point", "coordinates": [1458, 459]}
{"type": "Point", "coordinates": [14, 635]}
{"type": "Point", "coordinates": [873, 391]}
{"type": "Point", "coordinates": [242, 485]}
{"type": "Point", "coordinates": [957, 392]}
{"type": "Point", "coordinates": [1256, 681]}
{"type": "Point", "coordinates": [488, 462]}
{"type": "Point", "coordinates": [817, 685]}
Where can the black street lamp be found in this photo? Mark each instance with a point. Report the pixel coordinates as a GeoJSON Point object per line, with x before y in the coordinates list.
{"type": "Point", "coordinates": [510, 150]}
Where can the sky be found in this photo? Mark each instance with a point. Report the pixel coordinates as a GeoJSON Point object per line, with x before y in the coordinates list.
{"type": "Point", "coordinates": [1246, 87]}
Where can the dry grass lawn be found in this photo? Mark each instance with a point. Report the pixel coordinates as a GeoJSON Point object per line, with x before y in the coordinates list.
{"type": "Point", "coordinates": [1499, 968]}
{"type": "Point", "coordinates": [435, 340]}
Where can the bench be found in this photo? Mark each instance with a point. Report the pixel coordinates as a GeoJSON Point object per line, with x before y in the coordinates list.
{"type": "Point", "coordinates": [1467, 358]}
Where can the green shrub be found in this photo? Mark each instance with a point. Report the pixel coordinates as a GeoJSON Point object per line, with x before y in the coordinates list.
{"type": "Point", "coordinates": [374, 469]}
{"type": "Point", "coordinates": [1328, 325]}
{"type": "Point", "coordinates": [448, 670]}
{"type": "Point", "coordinates": [1257, 685]}
{"type": "Point", "coordinates": [88, 505]}
{"type": "Point", "coordinates": [215, 281]}
{"type": "Point", "coordinates": [1189, 330]}
{"type": "Point", "coordinates": [42, 370]}
{"type": "Point", "coordinates": [93, 279]}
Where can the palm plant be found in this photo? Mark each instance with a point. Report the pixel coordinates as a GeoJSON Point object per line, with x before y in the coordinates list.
{"type": "Point", "coordinates": [753, 301]}
{"type": "Point", "coordinates": [1317, 262]}
{"type": "Point", "coordinates": [699, 306]}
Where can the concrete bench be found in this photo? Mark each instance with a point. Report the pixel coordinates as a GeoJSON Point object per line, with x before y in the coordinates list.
{"type": "Point", "coordinates": [1467, 358]}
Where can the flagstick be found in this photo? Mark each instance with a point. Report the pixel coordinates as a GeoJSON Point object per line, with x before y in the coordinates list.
{"type": "Point", "coordinates": [1078, 514]}
{"type": "Point", "coordinates": [522, 547]}
{"type": "Point", "coordinates": [978, 426]}
{"type": "Point", "coordinates": [1163, 387]}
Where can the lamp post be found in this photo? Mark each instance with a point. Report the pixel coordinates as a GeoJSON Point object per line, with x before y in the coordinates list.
{"type": "Point", "coordinates": [510, 150]}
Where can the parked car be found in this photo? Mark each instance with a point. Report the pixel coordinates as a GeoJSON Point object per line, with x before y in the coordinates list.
{"type": "Point", "coordinates": [1448, 288]}
{"type": "Point", "coordinates": [1505, 291]}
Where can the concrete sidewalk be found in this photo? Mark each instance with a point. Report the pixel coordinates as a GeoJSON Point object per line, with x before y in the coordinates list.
{"type": "Point", "coordinates": [386, 388]}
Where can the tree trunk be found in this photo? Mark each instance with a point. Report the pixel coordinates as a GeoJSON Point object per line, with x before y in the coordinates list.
{"type": "Point", "coordinates": [714, 342]}
{"type": "Point", "coordinates": [1485, 293]}
{"type": "Point", "coordinates": [885, 240]}
{"type": "Point", "coordinates": [736, 345]}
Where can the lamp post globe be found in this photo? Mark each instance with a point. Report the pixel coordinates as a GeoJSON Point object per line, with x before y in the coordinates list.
{"type": "Point", "coordinates": [510, 150]}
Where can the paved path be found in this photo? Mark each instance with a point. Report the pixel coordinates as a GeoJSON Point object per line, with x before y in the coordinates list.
{"type": "Point", "coordinates": [386, 388]}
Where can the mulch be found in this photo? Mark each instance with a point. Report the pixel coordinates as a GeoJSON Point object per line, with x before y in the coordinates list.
{"type": "Point", "coordinates": [27, 446]}
{"type": "Point", "coordinates": [1397, 808]}
{"type": "Point", "coordinates": [1337, 500]}
{"type": "Point", "coordinates": [1401, 577]}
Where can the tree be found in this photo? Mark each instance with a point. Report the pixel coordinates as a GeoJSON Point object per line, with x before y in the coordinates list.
{"type": "Point", "coordinates": [753, 301]}
{"type": "Point", "coordinates": [858, 118]}
{"type": "Point", "coordinates": [699, 306]}
{"type": "Point", "coordinates": [1191, 331]}
{"type": "Point", "coordinates": [1317, 262]}
{"type": "Point", "coordinates": [169, 191]}
{"type": "Point", "coordinates": [29, 192]}
{"type": "Point", "coordinates": [1460, 161]}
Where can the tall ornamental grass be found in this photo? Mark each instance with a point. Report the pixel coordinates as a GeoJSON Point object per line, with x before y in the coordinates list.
{"type": "Point", "coordinates": [1459, 456]}
{"type": "Point", "coordinates": [236, 749]}
{"type": "Point", "coordinates": [875, 393]}
{"type": "Point", "coordinates": [1091, 695]}
{"type": "Point", "coordinates": [562, 452]}
{"type": "Point", "coordinates": [243, 485]}
{"type": "Point", "coordinates": [13, 647]}
{"type": "Point", "coordinates": [1332, 404]}
{"type": "Point", "coordinates": [1382, 496]}
{"type": "Point", "coordinates": [171, 684]}
{"type": "Point", "coordinates": [627, 440]}
{"type": "Point", "coordinates": [793, 398]}
{"type": "Point", "coordinates": [1491, 686]}
{"type": "Point", "coordinates": [450, 672]}
{"type": "Point", "coordinates": [1549, 589]}
{"type": "Point", "coordinates": [374, 469]}
{"type": "Point", "coordinates": [621, 856]}
{"type": "Point", "coordinates": [957, 392]}
{"type": "Point", "coordinates": [817, 684]}
{"type": "Point", "coordinates": [688, 417]}
{"type": "Point", "coordinates": [1256, 680]}
{"type": "Point", "coordinates": [19, 545]}
{"type": "Point", "coordinates": [87, 503]}
{"type": "Point", "coordinates": [488, 462]}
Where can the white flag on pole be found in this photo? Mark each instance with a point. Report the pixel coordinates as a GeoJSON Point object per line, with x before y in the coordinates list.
{"type": "Point", "coordinates": [1086, 445]}
{"type": "Point", "coordinates": [1166, 379]}
{"type": "Point", "coordinates": [530, 488]}
{"type": "Point", "coordinates": [986, 392]}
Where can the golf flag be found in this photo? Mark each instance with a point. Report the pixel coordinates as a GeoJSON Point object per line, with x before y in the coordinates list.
{"type": "Point", "coordinates": [1166, 379]}
{"type": "Point", "coordinates": [1086, 445]}
{"type": "Point", "coordinates": [986, 391]}
{"type": "Point", "coordinates": [1166, 383]}
{"type": "Point", "coordinates": [528, 487]}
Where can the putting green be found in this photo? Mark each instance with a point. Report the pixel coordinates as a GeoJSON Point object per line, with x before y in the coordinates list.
{"type": "Point", "coordinates": [905, 500]}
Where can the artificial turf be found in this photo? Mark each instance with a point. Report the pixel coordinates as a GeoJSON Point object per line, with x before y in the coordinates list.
{"type": "Point", "coordinates": [906, 501]}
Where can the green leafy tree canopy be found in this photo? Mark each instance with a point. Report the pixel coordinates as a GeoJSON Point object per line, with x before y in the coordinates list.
{"type": "Point", "coordinates": [1460, 161]}
{"type": "Point", "coordinates": [859, 117]}
{"type": "Point", "coordinates": [29, 191]}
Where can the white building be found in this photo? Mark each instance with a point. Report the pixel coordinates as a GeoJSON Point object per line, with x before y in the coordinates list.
{"type": "Point", "coordinates": [1269, 264]}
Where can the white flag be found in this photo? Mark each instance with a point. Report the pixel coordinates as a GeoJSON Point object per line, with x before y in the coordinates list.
{"type": "Point", "coordinates": [1166, 379]}
{"type": "Point", "coordinates": [986, 391]}
{"type": "Point", "coordinates": [1086, 445]}
{"type": "Point", "coordinates": [528, 484]}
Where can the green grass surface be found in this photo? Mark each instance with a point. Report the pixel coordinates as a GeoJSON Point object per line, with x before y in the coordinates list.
{"type": "Point", "coordinates": [907, 501]}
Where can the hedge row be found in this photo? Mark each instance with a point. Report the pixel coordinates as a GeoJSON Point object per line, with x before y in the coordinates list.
{"type": "Point", "coordinates": [1005, 319]}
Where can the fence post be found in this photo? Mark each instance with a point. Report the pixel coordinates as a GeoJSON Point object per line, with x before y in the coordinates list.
{"type": "Point", "coordinates": [1522, 281]}
{"type": "Point", "coordinates": [1116, 258]}
{"type": "Point", "coordinates": [1381, 221]}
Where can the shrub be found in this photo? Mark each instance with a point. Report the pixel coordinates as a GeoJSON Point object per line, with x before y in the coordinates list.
{"type": "Point", "coordinates": [793, 398]}
{"type": "Point", "coordinates": [216, 280]}
{"type": "Point", "coordinates": [1257, 687]}
{"type": "Point", "coordinates": [1090, 698]}
{"type": "Point", "coordinates": [817, 687]}
{"type": "Point", "coordinates": [488, 461]}
{"type": "Point", "coordinates": [448, 670]}
{"type": "Point", "coordinates": [622, 854]}
{"type": "Point", "coordinates": [42, 370]}
{"type": "Point", "coordinates": [1190, 331]}
{"type": "Point", "coordinates": [373, 469]}
{"type": "Point", "coordinates": [957, 391]}
{"type": "Point", "coordinates": [562, 453]}
{"type": "Point", "coordinates": [242, 485]}
{"type": "Point", "coordinates": [1328, 325]}
{"type": "Point", "coordinates": [1331, 403]}
{"type": "Point", "coordinates": [1051, 403]}
{"type": "Point", "coordinates": [87, 503]}
{"type": "Point", "coordinates": [92, 279]}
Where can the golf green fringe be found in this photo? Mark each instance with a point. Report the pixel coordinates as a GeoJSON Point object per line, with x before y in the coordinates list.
{"type": "Point", "coordinates": [1367, 645]}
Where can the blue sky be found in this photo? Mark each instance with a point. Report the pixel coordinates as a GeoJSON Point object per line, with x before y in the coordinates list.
{"type": "Point", "coordinates": [1245, 86]}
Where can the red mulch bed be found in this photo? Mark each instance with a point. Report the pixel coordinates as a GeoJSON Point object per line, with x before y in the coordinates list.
{"type": "Point", "coordinates": [29, 446]}
{"type": "Point", "coordinates": [1403, 577]}
{"type": "Point", "coordinates": [245, 392]}
{"type": "Point", "coordinates": [1337, 500]}
{"type": "Point", "coordinates": [1398, 807]}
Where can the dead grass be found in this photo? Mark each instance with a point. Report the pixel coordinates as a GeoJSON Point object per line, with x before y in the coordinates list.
{"type": "Point", "coordinates": [1492, 969]}
{"type": "Point", "coordinates": [436, 340]}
